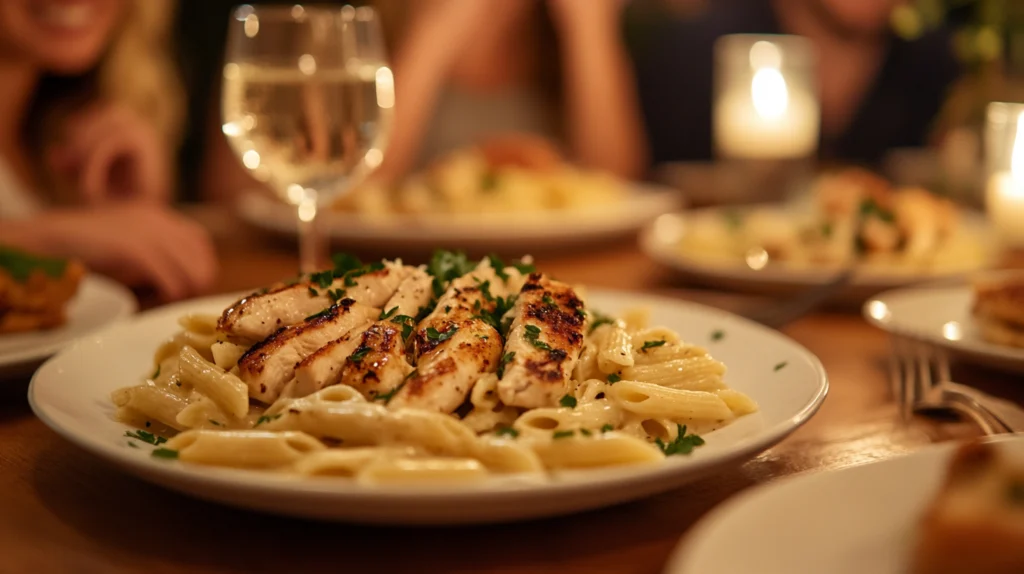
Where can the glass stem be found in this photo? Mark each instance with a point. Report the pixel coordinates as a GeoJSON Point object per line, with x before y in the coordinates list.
{"type": "Point", "coordinates": [312, 243]}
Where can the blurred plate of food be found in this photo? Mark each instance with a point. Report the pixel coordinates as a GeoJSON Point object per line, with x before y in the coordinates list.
{"type": "Point", "coordinates": [943, 510]}
{"type": "Point", "coordinates": [482, 198]}
{"type": "Point", "coordinates": [46, 303]}
{"type": "Point", "coordinates": [890, 236]}
{"type": "Point", "coordinates": [982, 320]}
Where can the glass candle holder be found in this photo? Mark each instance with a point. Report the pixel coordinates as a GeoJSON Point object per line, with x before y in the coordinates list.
{"type": "Point", "coordinates": [766, 98]}
{"type": "Point", "coordinates": [1004, 157]}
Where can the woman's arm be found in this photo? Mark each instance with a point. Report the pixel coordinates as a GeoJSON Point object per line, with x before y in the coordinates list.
{"type": "Point", "coordinates": [604, 126]}
{"type": "Point", "coordinates": [439, 30]}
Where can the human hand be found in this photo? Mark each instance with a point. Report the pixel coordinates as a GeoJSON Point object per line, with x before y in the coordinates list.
{"type": "Point", "coordinates": [107, 152]}
{"type": "Point", "coordinates": [138, 244]}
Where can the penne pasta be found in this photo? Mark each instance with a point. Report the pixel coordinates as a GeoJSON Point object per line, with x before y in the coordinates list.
{"type": "Point", "coordinates": [243, 449]}
{"type": "Point", "coordinates": [227, 390]}
{"type": "Point", "coordinates": [608, 449]}
{"type": "Point", "coordinates": [654, 401]}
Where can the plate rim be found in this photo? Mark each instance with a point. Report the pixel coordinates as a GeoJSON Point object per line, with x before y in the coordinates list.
{"type": "Point", "coordinates": [306, 487]}
{"type": "Point", "coordinates": [688, 546]}
{"type": "Point", "coordinates": [128, 308]}
{"type": "Point", "coordinates": [979, 348]}
{"type": "Point", "coordinates": [655, 199]}
{"type": "Point", "coordinates": [660, 251]}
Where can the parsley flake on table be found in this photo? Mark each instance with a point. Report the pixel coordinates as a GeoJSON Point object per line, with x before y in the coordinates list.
{"type": "Point", "coordinates": [780, 366]}
{"type": "Point", "coordinates": [266, 419]}
{"type": "Point", "coordinates": [651, 345]}
{"type": "Point", "coordinates": [683, 443]}
{"type": "Point", "coordinates": [568, 401]}
{"type": "Point", "coordinates": [146, 437]}
{"type": "Point", "coordinates": [165, 453]}
{"type": "Point", "coordinates": [506, 431]}
{"type": "Point", "coordinates": [561, 434]}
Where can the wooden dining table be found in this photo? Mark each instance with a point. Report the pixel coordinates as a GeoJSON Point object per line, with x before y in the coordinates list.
{"type": "Point", "coordinates": [64, 510]}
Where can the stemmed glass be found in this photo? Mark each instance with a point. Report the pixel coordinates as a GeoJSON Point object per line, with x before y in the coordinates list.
{"type": "Point", "coordinates": [307, 104]}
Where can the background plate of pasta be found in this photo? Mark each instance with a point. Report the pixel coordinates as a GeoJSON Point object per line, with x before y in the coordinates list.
{"type": "Point", "coordinates": [458, 391]}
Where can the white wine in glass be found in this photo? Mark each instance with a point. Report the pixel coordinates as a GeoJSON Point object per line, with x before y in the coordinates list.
{"type": "Point", "coordinates": [307, 104]}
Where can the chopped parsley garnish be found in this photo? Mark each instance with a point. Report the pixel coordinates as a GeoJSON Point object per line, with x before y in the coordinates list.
{"type": "Point", "coordinates": [568, 401]}
{"type": "Point", "coordinates": [313, 292]}
{"type": "Point", "coordinates": [614, 378]}
{"type": "Point", "coordinates": [445, 266]}
{"type": "Point", "coordinates": [388, 314]}
{"type": "Point", "coordinates": [581, 313]}
{"type": "Point", "coordinates": [499, 266]}
{"type": "Point", "coordinates": [345, 262]}
{"type": "Point", "coordinates": [600, 319]}
{"type": "Point", "coordinates": [683, 443]}
{"type": "Point", "coordinates": [717, 335]}
{"type": "Point", "coordinates": [386, 397]}
{"type": "Point", "coordinates": [651, 345]}
{"type": "Point", "coordinates": [133, 445]}
{"type": "Point", "coordinates": [607, 427]}
{"type": "Point", "coordinates": [505, 360]}
{"type": "Point", "coordinates": [406, 322]}
{"type": "Point", "coordinates": [561, 434]}
{"type": "Point", "coordinates": [506, 431]}
{"type": "Point", "coordinates": [549, 301]}
{"type": "Point", "coordinates": [585, 432]}
{"type": "Point", "coordinates": [485, 288]}
{"type": "Point", "coordinates": [20, 265]}
{"type": "Point", "coordinates": [869, 207]}
{"type": "Point", "coordinates": [216, 423]}
{"type": "Point", "coordinates": [165, 453]}
{"type": "Point", "coordinates": [532, 332]}
{"type": "Point", "coordinates": [323, 279]}
{"type": "Point", "coordinates": [325, 313]}
{"type": "Point", "coordinates": [156, 373]}
{"type": "Point", "coordinates": [439, 336]}
{"type": "Point", "coordinates": [523, 267]}
{"type": "Point", "coordinates": [733, 219]}
{"type": "Point", "coordinates": [359, 354]}
{"type": "Point", "coordinates": [780, 366]}
{"type": "Point", "coordinates": [266, 419]}
{"type": "Point", "coordinates": [336, 294]}
{"type": "Point", "coordinates": [146, 437]}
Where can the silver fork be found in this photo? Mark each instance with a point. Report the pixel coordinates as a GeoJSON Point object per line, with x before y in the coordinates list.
{"type": "Point", "coordinates": [917, 372]}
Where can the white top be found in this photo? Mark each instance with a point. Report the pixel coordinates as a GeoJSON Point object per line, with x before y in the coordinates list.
{"type": "Point", "coordinates": [16, 202]}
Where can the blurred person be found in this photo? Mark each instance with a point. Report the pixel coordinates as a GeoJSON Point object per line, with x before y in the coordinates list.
{"type": "Point", "coordinates": [89, 115]}
{"type": "Point", "coordinates": [877, 91]}
{"type": "Point", "coordinates": [528, 79]}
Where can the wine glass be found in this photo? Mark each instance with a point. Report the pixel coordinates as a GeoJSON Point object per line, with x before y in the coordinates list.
{"type": "Point", "coordinates": [307, 104]}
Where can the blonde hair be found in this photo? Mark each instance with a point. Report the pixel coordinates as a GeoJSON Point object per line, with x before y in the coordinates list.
{"type": "Point", "coordinates": [137, 70]}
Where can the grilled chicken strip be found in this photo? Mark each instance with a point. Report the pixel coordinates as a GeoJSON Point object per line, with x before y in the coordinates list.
{"type": "Point", "coordinates": [268, 365]}
{"type": "Point", "coordinates": [544, 343]}
{"type": "Point", "coordinates": [413, 294]}
{"type": "Point", "coordinates": [255, 317]}
{"type": "Point", "coordinates": [371, 360]}
{"type": "Point", "coordinates": [323, 367]}
{"type": "Point", "coordinates": [454, 347]}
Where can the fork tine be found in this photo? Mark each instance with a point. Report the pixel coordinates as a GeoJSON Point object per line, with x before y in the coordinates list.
{"type": "Point", "coordinates": [907, 397]}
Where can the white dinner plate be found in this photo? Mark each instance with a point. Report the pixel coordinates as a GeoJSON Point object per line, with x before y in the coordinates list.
{"type": "Point", "coordinates": [98, 303]}
{"type": "Point", "coordinates": [661, 240]}
{"type": "Point", "coordinates": [71, 394]}
{"type": "Point", "coordinates": [520, 232]}
{"type": "Point", "coordinates": [940, 314]}
{"type": "Point", "coordinates": [855, 520]}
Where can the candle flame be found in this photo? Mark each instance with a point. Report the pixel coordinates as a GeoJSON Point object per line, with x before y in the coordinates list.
{"type": "Point", "coordinates": [1017, 154]}
{"type": "Point", "coordinates": [771, 95]}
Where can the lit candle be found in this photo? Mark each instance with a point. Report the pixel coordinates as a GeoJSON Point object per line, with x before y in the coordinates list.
{"type": "Point", "coordinates": [1004, 196]}
{"type": "Point", "coordinates": [766, 106]}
